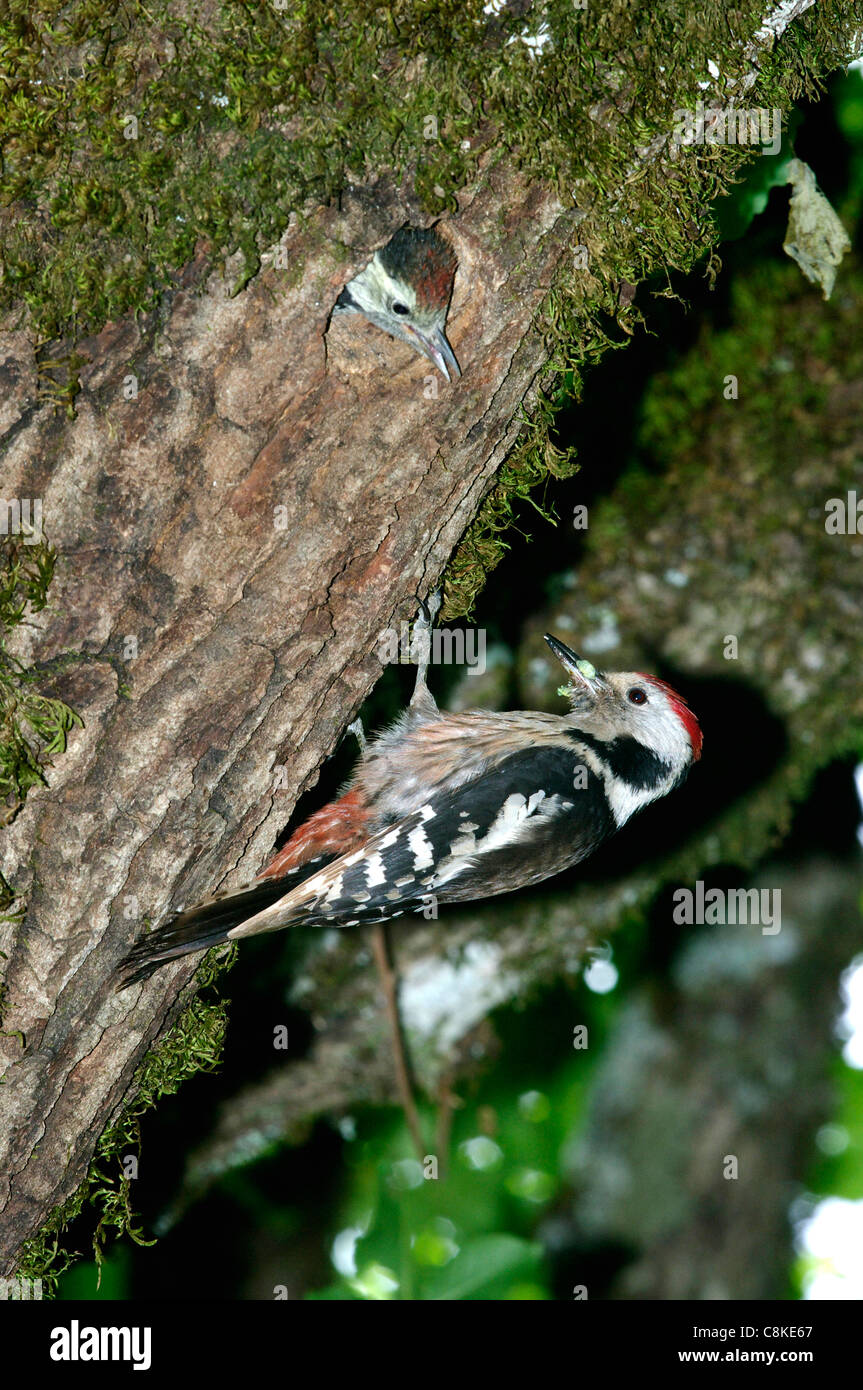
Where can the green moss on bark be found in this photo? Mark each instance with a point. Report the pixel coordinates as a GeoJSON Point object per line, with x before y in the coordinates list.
{"type": "Point", "coordinates": [33, 726]}
{"type": "Point", "coordinates": [194, 1044]}
{"type": "Point", "coordinates": [134, 134]}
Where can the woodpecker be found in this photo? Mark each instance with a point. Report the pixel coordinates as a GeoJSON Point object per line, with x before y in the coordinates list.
{"type": "Point", "coordinates": [454, 807]}
{"type": "Point", "coordinates": [405, 289]}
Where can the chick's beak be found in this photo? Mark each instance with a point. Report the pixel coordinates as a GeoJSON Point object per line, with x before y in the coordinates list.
{"type": "Point", "coordinates": [583, 673]}
{"type": "Point", "coordinates": [436, 347]}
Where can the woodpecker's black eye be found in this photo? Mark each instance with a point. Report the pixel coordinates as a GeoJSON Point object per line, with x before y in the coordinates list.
{"type": "Point", "coordinates": [636, 695]}
{"type": "Point", "coordinates": [400, 308]}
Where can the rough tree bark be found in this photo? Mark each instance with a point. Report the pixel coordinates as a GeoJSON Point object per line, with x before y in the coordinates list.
{"type": "Point", "coordinates": [252, 646]}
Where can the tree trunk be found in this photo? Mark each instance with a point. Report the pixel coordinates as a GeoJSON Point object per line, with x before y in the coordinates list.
{"type": "Point", "coordinates": [206, 646]}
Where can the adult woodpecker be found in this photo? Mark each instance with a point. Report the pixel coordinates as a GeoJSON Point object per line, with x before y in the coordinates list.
{"type": "Point", "coordinates": [405, 289]}
{"type": "Point", "coordinates": [454, 807]}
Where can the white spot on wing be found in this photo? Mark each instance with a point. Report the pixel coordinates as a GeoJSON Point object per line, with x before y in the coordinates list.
{"type": "Point", "coordinates": [375, 871]}
{"type": "Point", "coordinates": [335, 891]}
{"type": "Point", "coordinates": [464, 845]}
{"type": "Point", "coordinates": [422, 849]}
{"type": "Point", "coordinates": [508, 828]}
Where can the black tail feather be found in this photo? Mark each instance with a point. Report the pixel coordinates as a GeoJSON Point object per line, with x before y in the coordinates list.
{"type": "Point", "coordinates": [208, 924]}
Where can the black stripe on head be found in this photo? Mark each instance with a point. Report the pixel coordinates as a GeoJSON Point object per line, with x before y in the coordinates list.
{"type": "Point", "coordinates": [347, 302]}
{"type": "Point", "coordinates": [628, 759]}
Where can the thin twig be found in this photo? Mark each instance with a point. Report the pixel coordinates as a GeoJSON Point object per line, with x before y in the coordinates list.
{"type": "Point", "coordinates": [380, 946]}
{"type": "Point", "coordinates": [447, 1104]}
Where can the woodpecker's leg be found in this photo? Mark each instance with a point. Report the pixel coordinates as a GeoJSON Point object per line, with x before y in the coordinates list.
{"type": "Point", "coordinates": [380, 946]}
{"type": "Point", "coordinates": [421, 645]}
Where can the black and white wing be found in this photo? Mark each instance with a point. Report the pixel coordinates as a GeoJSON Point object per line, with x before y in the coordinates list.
{"type": "Point", "coordinates": [535, 813]}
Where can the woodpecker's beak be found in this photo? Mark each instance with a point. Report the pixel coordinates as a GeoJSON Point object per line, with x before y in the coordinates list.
{"type": "Point", "coordinates": [584, 675]}
{"type": "Point", "coordinates": [435, 346]}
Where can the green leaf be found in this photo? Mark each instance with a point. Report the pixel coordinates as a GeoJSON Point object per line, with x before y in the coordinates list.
{"type": "Point", "coordinates": [749, 198]}
{"type": "Point", "coordinates": [487, 1267]}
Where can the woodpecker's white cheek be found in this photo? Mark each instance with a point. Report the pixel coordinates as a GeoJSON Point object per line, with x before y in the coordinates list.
{"type": "Point", "coordinates": [671, 741]}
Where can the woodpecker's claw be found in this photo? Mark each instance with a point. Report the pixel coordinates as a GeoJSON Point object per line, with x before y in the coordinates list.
{"type": "Point", "coordinates": [359, 733]}
{"type": "Point", "coordinates": [429, 608]}
{"type": "Point", "coordinates": [421, 647]}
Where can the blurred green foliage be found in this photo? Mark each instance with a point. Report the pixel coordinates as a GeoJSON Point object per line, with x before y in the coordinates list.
{"type": "Point", "coordinates": [847, 92]}
{"type": "Point", "coordinates": [735, 213]}
{"type": "Point", "coordinates": [840, 1173]}
{"type": "Point", "coordinates": [465, 1232]}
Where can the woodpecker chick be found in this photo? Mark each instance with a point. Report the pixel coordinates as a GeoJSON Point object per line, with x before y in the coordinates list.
{"type": "Point", "coordinates": [405, 289]}
{"type": "Point", "coordinates": [449, 808]}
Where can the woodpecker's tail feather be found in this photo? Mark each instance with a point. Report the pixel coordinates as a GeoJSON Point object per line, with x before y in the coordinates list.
{"type": "Point", "coordinates": [206, 924]}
